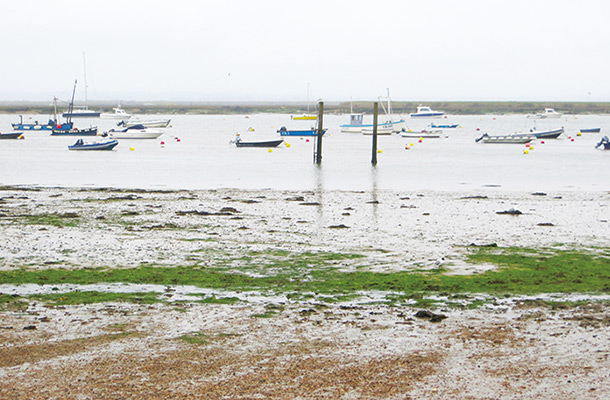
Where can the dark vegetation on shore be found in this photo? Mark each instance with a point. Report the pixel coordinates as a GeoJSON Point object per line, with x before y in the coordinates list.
{"type": "Point", "coordinates": [399, 107]}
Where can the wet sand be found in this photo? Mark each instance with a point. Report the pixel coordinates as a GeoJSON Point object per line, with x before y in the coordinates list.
{"type": "Point", "coordinates": [305, 349]}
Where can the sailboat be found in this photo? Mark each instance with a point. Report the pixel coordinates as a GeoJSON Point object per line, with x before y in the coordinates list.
{"type": "Point", "coordinates": [307, 116]}
{"type": "Point", "coordinates": [383, 128]}
{"type": "Point", "coordinates": [84, 111]}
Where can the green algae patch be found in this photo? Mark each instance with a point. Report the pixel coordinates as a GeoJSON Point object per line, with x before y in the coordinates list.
{"type": "Point", "coordinates": [91, 297]}
{"type": "Point", "coordinates": [300, 276]}
{"type": "Point", "coordinates": [59, 220]}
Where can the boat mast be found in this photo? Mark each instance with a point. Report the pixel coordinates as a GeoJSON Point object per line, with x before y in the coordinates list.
{"type": "Point", "coordinates": [85, 73]}
{"type": "Point", "coordinates": [71, 106]}
{"type": "Point", "coordinates": [308, 98]}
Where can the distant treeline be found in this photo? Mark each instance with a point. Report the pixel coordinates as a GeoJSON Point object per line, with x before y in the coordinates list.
{"type": "Point", "coordinates": [398, 107]}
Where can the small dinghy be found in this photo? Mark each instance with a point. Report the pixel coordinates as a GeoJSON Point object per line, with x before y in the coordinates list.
{"type": "Point", "coordinates": [604, 143]}
{"type": "Point", "coordinates": [268, 143]}
{"type": "Point", "coordinates": [11, 135]}
{"type": "Point", "coordinates": [518, 139]}
{"type": "Point", "coordinates": [82, 145]}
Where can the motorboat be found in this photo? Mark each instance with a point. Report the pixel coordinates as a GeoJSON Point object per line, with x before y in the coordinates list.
{"type": "Point", "coordinates": [153, 123]}
{"type": "Point", "coordinates": [118, 113]}
{"type": "Point", "coordinates": [515, 139]}
{"type": "Point", "coordinates": [305, 117]}
{"type": "Point", "coordinates": [426, 112]}
{"type": "Point", "coordinates": [548, 113]}
{"type": "Point", "coordinates": [424, 133]}
{"type": "Point", "coordinates": [82, 145]}
{"type": "Point", "coordinates": [134, 132]}
{"type": "Point", "coordinates": [283, 131]}
{"type": "Point", "coordinates": [546, 134]}
{"type": "Point", "coordinates": [604, 143]}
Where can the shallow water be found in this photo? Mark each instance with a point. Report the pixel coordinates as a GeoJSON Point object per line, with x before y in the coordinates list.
{"type": "Point", "coordinates": [203, 158]}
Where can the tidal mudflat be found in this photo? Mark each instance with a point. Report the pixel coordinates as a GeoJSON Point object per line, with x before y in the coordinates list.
{"type": "Point", "coordinates": [232, 293]}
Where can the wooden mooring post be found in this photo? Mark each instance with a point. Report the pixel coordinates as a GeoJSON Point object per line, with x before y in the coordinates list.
{"type": "Point", "coordinates": [318, 150]}
{"type": "Point", "coordinates": [375, 113]}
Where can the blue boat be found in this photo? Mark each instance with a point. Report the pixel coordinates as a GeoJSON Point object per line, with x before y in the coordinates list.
{"type": "Point", "coordinates": [81, 145]}
{"type": "Point", "coordinates": [590, 130]}
{"type": "Point", "coordinates": [67, 128]}
{"type": "Point", "coordinates": [446, 126]}
{"type": "Point", "coordinates": [283, 131]}
{"type": "Point", "coordinates": [605, 143]}
{"type": "Point", "coordinates": [36, 126]}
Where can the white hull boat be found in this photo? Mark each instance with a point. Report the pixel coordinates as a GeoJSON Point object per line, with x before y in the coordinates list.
{"type": "Point", "coordinates": [154, 123]}
{"type": "Point", "coordinates": [548, 113]}
{"type": "Point", "coordinates": [426, 112]}
{"type": "Point", "coordinates": [135, 133]}
{"type": "Point", "coordinates": [423, 134]}
{"type": "Point", "coordinates": [118, 113]}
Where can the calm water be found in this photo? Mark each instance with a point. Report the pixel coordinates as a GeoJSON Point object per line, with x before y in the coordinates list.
{"type": "Point", "coordinates": [204, 159]}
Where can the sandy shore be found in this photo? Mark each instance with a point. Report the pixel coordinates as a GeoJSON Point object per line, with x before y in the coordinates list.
{"type": "Point", "coordinates": [306, 350]}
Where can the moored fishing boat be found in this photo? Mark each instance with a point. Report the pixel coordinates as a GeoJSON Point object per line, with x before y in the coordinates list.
{"type": "Point", "coordinates": [50, 125]}
{"type": "Point", "coordinates": [82, 145]}
{"type": "Point", "coordinates": [387, 127]}
{"type": "Point", "coordinates": [67, 128]}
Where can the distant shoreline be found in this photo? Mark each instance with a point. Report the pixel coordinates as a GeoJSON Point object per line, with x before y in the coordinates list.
{"type": "Point", "coordinates": [398, 107]}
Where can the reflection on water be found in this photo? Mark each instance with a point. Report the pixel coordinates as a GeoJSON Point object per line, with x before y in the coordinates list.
{"type": "Point", "coordinates": [197, 155]}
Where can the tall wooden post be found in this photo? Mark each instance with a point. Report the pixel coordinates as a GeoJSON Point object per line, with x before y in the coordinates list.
{"type": "Point", "coordinates": [320, 133]}
{"type": "Point", "coordinates": [375, 112]}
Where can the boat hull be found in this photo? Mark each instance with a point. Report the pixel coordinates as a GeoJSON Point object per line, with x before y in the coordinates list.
{"type": "Point", "coordinates": [83, 114]}
{"type": "Point", "coordinates": [427, 115]}
{"type": "Point", "coordinates": [75, 132]}
{"type": "Point", "coordinates": [432, 134]}
{"type": "Point", "coordinates": [307, 132]}
{"type": "Point", "coordinates": [506, 139]}
{"type": "Point", "coordinates": [12, 135]}
{"type": "Point", "coordinates": [306, 117]}
{"type": "Point", "coordinates": [269, 143]}
{"type": "Point", "coordinates": [368, 128]}
{"type": "Point", "coordinates": [591, 130]}
{"type": "Point", "coordinates": [49, 126]}
{"type": "Point", "coordinates": [109, 145]}
{"type": "Point", "coordinates": [136, 134]}
{"type": "Point", "coordinates": [549, 134]}
{"type": "Point", "coordinates": [155, 123]}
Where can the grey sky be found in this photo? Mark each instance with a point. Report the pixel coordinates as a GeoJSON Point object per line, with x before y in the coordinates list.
{"type": "Point", "coordinates": [270, 50]}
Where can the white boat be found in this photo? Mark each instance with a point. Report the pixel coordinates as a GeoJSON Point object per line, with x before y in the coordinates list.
{"type": "Point", "coordinates": [548, 113]}
{"type": "Point", "coordinates": [426, 112]}
{"type": "Point", "coordinates": [424, 133]}
{"type": "Point", "coordinates": [152, 123]}
{"type": "Point", "coordinates": [135, 132]}
{"type": "Point", "coordinates": [82, 112]}
{"type": "Point", "coordinates": [118, 113]}
{"type": "Point", "coordinates": [388, 127]}
{"type": "Point", "coordinates": [516, 138]}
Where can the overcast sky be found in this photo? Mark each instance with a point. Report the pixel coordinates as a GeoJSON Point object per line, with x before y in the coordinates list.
{"type": "Point", "coordinates": [268, 50]}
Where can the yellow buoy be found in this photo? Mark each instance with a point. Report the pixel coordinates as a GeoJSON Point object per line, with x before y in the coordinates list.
{"type": "Point", "coordinates": [525, 152]}
{"type": "Point", "coordinates": [579, 134]}
{"type": "Point", "coordinates": [287, 144]}
{"type": "Point", "coordinates": [131, 148]}
{"type": "Point", "coordinates": [531, 147]}
{"type": "Point", "coordinates": [270, 150]}
{"type": "Point", "coordinates": [379, 151]}
{"type": "Point", "coordinates": [411, 144]}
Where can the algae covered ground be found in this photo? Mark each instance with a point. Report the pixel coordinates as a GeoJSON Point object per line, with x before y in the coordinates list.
{"type": "Point", "coordinates": [280, 294]}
